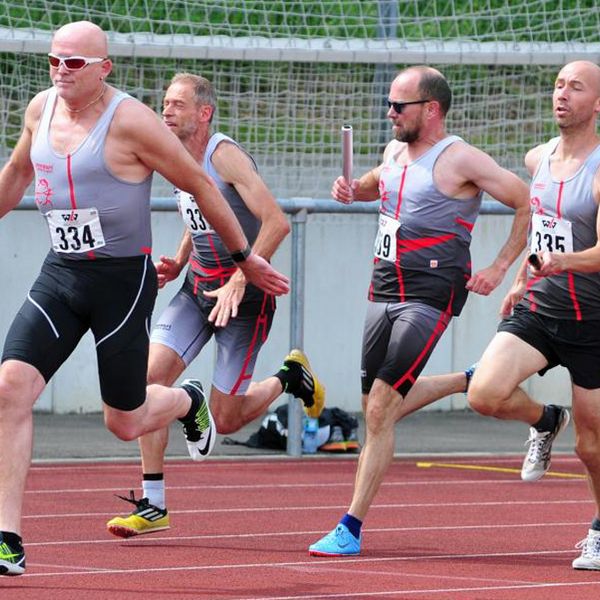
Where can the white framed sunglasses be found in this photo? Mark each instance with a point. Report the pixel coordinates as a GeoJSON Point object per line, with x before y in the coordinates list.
{"type": "Point", "coordinates": [72, 63]}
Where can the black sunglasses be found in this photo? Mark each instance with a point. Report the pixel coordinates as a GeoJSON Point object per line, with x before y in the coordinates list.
{"type": "Point", "coordinates": [399, 106]}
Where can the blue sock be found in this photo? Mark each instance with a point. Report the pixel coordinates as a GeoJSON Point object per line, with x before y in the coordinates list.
{"type": "Point", "coordinates": [595, 524]}
{"type": "Point", "coordinates": [353, 524]}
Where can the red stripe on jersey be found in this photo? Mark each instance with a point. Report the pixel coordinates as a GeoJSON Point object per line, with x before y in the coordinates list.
{"type": "Point", "coordinates": [468, 226]}
{"type": "Point", "coordinates": [573, 294]}
{"type": "Point", "coordinates": [420, 243]}
{"type": "Point", "coordinates": [529, 284]}
{"type": "Point", "coordinates": [439, 328]}
{"type": "Point", "coordinates": [559, 200]}
{"type": "Point", "coordinates": [399, 278]}
{"type": "Point", "coordinates": [532, 303]}
{"type": "Point", "coordinates": [261, 323]}
{"type": "Point", "coordinates": [71, 184]}
{"type": "Point", "coordinates": [400, 192]}
{"type": "Point", "coordinates": [214, 250]}
{"type": "Point", "coordinates": [209, 274]}
{"type": "Point", "coordinates": [146, 250]}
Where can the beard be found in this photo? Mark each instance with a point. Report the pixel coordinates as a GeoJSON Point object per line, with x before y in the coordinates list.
{"type": "Point", "coordinates": [408, 134]}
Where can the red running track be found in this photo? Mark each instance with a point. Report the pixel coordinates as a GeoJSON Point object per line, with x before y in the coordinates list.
{"type": "Point", "coordinates": [461, 529]}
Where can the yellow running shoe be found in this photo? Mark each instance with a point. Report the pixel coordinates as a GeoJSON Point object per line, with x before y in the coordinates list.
{"type": "Point", "coordinates": [309, 389]}
{"type": "Point", "coordinates": [146, 518]}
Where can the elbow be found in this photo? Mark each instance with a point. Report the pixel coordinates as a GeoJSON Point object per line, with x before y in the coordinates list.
{"type": "Point", "coordinates": [284, 228]}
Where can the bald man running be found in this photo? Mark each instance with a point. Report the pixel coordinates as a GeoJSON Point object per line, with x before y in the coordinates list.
{"type": "Point", "coordinates": [93, 150]}
{"type": "Point", "coordinates": [555, 306]}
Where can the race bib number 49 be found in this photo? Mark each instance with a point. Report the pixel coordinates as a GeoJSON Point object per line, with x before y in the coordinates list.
{"type": "Point", "coordinates": [76, 230]}
{"type": "Point", "coordinates": [550, 234]}
{"type": "Point", "coordinates": [385, 242]}
{"type": "Point", "coordinates": [192, 217]}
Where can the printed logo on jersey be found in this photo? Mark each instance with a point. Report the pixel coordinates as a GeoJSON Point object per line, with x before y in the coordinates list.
{"type": "Point", "coordinates": [539, 186]}
{"type": "Point", "coordinates": [43, 192]}
{"type": "Point", "coordinates": [536, 205]}
{"type": "Point", "coordinates": [44, 167]}
{"type": "Point", "coordinates": [383, 193]}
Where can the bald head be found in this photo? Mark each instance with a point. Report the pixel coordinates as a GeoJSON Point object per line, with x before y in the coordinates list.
{"type": "Point", "coordinates": [81, 37]}
{"type": "Point", "coordinates": [430, 83]}
{"type": "Point", "coordinates": [583, 70]}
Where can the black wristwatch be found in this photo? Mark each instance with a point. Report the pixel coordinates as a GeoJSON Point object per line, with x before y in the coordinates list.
{"type": "Point", "coordinates": [241, 255]}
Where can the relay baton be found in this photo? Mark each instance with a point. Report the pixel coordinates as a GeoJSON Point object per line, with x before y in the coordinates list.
{"type": "Point", "coordinates": [534, 261]}
{"type": "Point", "coordinates": [347, 153]}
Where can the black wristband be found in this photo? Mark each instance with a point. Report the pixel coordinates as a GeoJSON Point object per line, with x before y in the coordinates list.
{"type": "Point", "coordinates": [241, 255]}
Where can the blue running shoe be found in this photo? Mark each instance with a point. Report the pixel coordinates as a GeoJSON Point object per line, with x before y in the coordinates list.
{"type": "Point", "coordinates": [339, 542]}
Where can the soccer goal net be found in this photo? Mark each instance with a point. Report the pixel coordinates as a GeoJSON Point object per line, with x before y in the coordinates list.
{"type": "Point", "coordinates": [289, 74]}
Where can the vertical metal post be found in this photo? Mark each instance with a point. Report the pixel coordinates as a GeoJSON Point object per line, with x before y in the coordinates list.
{"type": "Point", "coordinates": [295, 412]}
{"type": "Point", "coordinates": [387, 28]}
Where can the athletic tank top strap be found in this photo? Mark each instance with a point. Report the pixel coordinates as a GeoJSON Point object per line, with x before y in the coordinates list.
{"type": "Point", "coordinates": [47, 112]}
{"type": "Point", "coordinates": [430, 157]}
{"type": "Point", "coordinates": [211, 146]}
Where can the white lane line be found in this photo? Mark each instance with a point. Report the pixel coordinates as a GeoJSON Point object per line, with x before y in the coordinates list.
{"type": "Point", "coordinates": [152, 539]}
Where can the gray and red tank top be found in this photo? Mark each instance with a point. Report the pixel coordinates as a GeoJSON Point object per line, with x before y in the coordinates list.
{"type": "Point", "coordinates": [564, 220]}
{"type": "Point", "coordinates": [90, 212]}
{"type": "Point", "coordinates": [210, 264]}
{"type": "Point", "coordinates": [422, 246]}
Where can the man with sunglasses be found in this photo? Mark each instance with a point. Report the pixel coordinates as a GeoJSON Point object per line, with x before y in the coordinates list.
{"type": "Point", "coordinates": [93, 150]}
{"type": "Point", "coordinates": [214, 300]}
{"type": "Point", "coordinates": [430, 186]}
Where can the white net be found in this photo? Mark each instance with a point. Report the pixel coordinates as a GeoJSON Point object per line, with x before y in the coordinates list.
{"type": "Point", "coordinates": [289, 74]}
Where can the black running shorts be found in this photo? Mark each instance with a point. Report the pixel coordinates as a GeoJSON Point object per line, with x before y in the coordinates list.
{"type": "Point", "coordinates": [573, 344]}
{"type": "Point", "coordinates": [398, 340]}
{"type": "Point", "coordinates": [113, 297]}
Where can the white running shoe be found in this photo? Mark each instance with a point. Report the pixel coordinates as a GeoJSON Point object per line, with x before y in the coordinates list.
{"type": "Point", "coordinates": [537, 461]}
{"type": "Point", "coordinates": [201, 433]}
{"type": "Point", "coordinates": [590, 554]}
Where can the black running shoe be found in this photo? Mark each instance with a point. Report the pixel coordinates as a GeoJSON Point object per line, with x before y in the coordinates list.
{"type": "Point", "coordinates": [12, 560]}
{"type": "Point", "coordinates": [310, 390]}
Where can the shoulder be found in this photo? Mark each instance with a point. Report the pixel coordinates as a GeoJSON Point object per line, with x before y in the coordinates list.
{"type": "Point", "coordinates": [534, 156]}
{"type": "Point", "coordinates": [33, 112]}
{"type": "Point", "coordinates": [131, 112]}
{"type": "Point", "coordinates": [135, 122]}
{"type": "Point", "coordinates": [393, 150]}
{"type": "Point", "coordinates": [231, 161]}
{"type": "Point", "coordinates": [466, 159]}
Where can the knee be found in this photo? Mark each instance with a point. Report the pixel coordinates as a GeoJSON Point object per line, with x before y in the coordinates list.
{"type": "Point", "coordinates": [226, 423]}
{"type": "Point", "coordinates": [19, 388]}
{"type": "Point", "coordinates": [588, 451]}
{"type": "Point", "coordinates": [485, 400]}
{"type": "Point", "coordinates": [376, 415]}
{"type": "Point", "coordinates": [124, 429]}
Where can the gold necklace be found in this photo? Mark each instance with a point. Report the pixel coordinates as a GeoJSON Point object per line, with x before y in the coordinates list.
{"type": "Point", "coordinates": [97, 99]}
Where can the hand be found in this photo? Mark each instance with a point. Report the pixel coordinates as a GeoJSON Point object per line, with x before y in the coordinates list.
{"type": "Point", "coordinates": [342, 192]}
{"type": "Point", "coordinates": [514, 296]}
{"type": "Point", "coordinates": [228, 298]}
{"type": "Point", "coordinates": [549, 264]}
{"type": "Point", "coordinates": [484, 282]}
{"type": "Point", "coordinates": [167, 269]}
{"type": "Point", "coordinates": [260, 273]}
